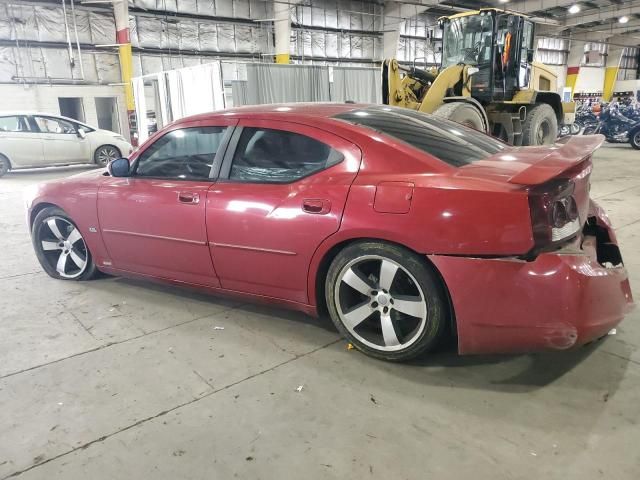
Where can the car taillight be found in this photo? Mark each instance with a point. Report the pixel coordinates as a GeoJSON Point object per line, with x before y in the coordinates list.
{"type": "Point", "coordinates": [554, 213]}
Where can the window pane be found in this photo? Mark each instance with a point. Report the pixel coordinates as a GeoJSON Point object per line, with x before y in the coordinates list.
{"type": "Point", "coordinates": [53, 125]}
{"type": "Point", "coordinates": [182, 154]}
{"type": "Point", "coordinates": [276, 156]}
{"type": "Point", "coordinates": [13, 124]}
{"type": "Point", "coordinates": [449, 141]}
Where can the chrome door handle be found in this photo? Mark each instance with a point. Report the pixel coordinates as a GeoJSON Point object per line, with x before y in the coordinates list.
{"type": "Point", "coordinates": [187, 197]}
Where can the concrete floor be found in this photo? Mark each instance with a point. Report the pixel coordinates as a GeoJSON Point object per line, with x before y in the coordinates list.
{"type": "Point", "coordinates": [120, 379]}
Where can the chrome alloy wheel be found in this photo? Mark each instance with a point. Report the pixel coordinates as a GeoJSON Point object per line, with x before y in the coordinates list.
{"type": "Point", "coordinates": [106, 154]}
{"type": "Point", "coordinates": [63, 247]}
{"type": "Point", "coordinates": [380, 303]}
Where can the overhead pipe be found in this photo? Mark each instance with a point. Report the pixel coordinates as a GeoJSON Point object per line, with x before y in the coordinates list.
{"type": "Point", "coordinates": [75, 28]}
{"type": "Point", "coordinates": [66, 29]}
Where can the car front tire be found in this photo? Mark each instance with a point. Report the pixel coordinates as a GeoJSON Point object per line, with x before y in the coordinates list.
{"type": "Point", "coordinates": [386, 300]}
{"type": "Point", "coordinates": [60, 247]}
{"type": "Point", "coordinates": [5, 166]}
{"type": "Point", "coordinates": [105, 154]}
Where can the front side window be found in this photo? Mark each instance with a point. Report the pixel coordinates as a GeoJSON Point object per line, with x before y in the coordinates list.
{"type": "Point", "coordinates": [54, 125]}
{"type": "Point", "coordinates": [185, 154]}
{"type": "Point", "coordinates": [13, 124]}
{"type": "Point", "coordinates": [265, 155]}
{"type": "Point", "coordinates": [468, 40]}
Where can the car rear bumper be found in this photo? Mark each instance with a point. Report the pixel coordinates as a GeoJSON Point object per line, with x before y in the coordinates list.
{"type": "Point", "coordinates": [560, 300]}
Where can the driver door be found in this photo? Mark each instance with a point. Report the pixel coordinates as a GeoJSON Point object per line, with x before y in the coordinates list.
{"type": "Point", "coordinates": [153, 222]}
{"type": "Point", "coordinates": [524, 71]}
{"type": "Point", "coordinates": [506, 70]}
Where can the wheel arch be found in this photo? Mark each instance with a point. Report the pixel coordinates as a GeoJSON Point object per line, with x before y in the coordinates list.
{"type": "Point", "coordinates": [554, 101]}
{"type": "Point", "coordinates": [36, 209]}
{"type": "Point", "coordinates": [317, 277]}
{"type": "Point", "coordinates": [475, 103]}
{"type": "Point", "coordinates": [5, 156]}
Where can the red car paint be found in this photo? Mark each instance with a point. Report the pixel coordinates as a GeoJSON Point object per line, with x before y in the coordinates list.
{"type": "Point", "coordinates": [270, 241]}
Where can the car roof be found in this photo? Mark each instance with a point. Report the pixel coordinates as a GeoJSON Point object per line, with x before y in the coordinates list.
{"type": "Point", "coordinates": [308, 110]}
{"type": "Point", "coordinates": [41, 114]}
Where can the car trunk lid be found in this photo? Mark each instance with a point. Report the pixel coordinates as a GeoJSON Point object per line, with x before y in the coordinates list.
{"type": "Point", "coordinates": [531, 167]}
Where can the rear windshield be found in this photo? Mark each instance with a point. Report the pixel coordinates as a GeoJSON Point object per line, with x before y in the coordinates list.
{"type": "Point", "coordinates": [448, 141]}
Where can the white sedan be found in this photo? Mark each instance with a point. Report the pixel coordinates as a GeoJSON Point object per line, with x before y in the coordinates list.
{"type": "Point", "coordinates": [31, 140]}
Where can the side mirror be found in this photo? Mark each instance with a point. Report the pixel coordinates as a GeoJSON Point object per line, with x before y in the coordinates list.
{"type": "Point", "coordinates": [81, 133]}
{"type": "Point", "coordinates": [119, 167]}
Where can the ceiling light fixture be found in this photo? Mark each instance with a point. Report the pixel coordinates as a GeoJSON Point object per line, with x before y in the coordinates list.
{"type": "Point", "coordinates": [574, 8]}
{"type": "Point", "coordinates": [504, 1]}
{"type": "Point", "coordinates": [623, 19]}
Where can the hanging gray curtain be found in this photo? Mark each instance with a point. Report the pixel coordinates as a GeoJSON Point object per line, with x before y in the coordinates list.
{"type": "Point", "coordinates": [361, 85]}
{"type": "Point", "coordinates": [273, 83]}
{"type": "Point", "coordinates": [239, 93]}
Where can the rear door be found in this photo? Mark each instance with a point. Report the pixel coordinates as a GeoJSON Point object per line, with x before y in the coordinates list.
{"type": "Point", "coordinates": [19, 143]}
{"type": "Point", "coordinates": [61, 141]}
{"type": "Point", "coordinates": [281, 192]}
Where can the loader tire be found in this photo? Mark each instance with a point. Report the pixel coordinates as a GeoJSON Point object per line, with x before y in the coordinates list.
{"type": "Point", "coordinates": [540, 127]}
{"type": "Point", "coordinates": [462, 113]}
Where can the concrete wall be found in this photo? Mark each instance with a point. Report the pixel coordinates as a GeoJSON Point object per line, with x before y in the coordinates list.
{"type": "Point", "coordinates": [590, 79]}
{"type": "Point", "coordinates": [44, 98]}
{"type": "Point", "coordinates": [628, 86]}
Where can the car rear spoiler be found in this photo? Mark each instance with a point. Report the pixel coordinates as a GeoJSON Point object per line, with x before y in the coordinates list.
{"type": "Point", "coordinates": [560, 157]}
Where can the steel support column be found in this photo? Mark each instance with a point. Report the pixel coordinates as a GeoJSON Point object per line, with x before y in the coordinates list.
{"type": "Point", "coordinates": [611, 71]}
{"type": "Point", "coordinates": [121, 15]}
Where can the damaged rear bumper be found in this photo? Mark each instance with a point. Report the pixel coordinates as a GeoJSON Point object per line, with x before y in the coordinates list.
{"type": "Point", "coordinates": [557, 301]}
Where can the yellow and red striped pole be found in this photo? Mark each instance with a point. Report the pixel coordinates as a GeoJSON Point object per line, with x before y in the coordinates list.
{"type": "Point", "coordinates": [612, 67]}
{"type": "Point", "coordinates": [121, 14]}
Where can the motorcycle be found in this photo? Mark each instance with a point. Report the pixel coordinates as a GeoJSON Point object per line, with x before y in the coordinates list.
{"type": "Point", "coordinates": [618, 128]}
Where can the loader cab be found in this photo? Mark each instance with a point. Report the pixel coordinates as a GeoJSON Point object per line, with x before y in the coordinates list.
{"type": "Point", "coordinates": [498, 43]}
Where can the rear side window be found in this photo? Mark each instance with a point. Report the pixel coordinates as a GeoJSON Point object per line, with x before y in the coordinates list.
{"type": "Point", "coordinates": [13, 124]}
{"type": "Point", "coordinates": [448, 141]}
{"type": "Point", "coordinates": [265, 155]}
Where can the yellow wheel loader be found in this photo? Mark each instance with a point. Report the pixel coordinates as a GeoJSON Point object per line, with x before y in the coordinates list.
{"type": "Point", "coordinates": [487, 80]}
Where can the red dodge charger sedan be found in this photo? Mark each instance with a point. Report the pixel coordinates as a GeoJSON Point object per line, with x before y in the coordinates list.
{"type": "Point", "coordinates": [402, 226]}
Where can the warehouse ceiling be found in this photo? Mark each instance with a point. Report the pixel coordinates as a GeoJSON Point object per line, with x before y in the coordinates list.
{"type": "Point", "coordinates": [602, 18]}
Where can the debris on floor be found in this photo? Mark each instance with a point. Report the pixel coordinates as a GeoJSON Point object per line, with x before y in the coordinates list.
{"type": "Point", "coordinates": [218, 328]}
{"type": "Point", "coordinates": [350, 346]}
{"type": "Point", "coordinates": [613, 331]}
{"type": "Point", "coordinates": [299, 389]}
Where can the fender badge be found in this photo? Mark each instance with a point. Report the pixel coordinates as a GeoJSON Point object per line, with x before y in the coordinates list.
{"type": "Point", "coordinates": [93, 229]}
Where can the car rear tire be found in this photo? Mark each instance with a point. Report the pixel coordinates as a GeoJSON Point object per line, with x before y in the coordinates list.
{"type": "Point", "coordinates": [540, 127]}
{"type": "Point", "coordinates": [60, 247]}
{"type": "Point", "coordinates": [385, 300]}
{"type": "Point", "coordinates": [5, 166]}
{"type": "Point", "coordinates": [105, 154]}
{"type": "Point", "coordinates": [634, 139]}
{"type": "Point", "coordinates": [463, 113]}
